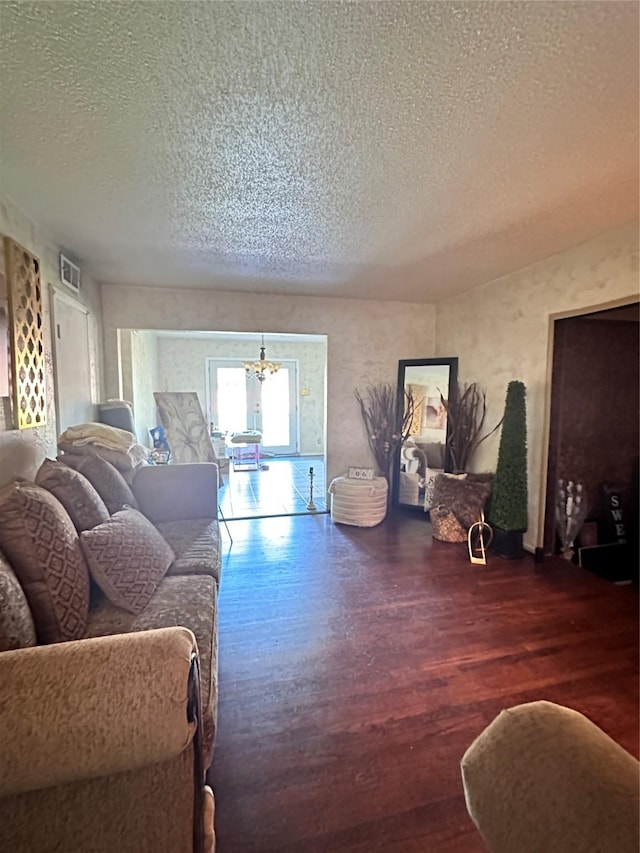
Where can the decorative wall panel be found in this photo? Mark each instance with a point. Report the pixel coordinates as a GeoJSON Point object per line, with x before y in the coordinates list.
{"type": "Point", "coordinates": [26, 327]}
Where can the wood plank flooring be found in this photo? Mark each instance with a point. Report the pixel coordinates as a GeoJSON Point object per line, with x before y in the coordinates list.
{"type": "Point", "coordinates": [279, 487]}
{"type": "Point", "coordinates": [357, 665]}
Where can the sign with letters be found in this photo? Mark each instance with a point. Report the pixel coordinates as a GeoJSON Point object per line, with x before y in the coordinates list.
{"type": "Point", "coordinates": [615, 515]}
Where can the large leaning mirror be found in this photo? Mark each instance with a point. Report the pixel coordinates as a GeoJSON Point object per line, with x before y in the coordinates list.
{"type": "Point", "coordinates": [422, 384]}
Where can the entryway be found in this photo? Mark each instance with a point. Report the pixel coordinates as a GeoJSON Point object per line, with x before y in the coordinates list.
{"type": "Point", "coordinates": [269, 407]}
{"type": "Point", "coordinates": [593, 438]}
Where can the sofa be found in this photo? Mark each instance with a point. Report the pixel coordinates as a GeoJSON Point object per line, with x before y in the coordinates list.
{"type": "Point", "coordinates": [108, 657]}
{"type": "Point", "coordinates": [542, 777]}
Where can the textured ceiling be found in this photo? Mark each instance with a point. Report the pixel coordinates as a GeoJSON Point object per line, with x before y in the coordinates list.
{"type": "Point", "coordinates": [392, 150]}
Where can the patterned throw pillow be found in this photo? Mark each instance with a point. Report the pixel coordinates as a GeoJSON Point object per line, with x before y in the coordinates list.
{"type": "Point", "coordinates": [127, 558]}
{"type": "Point", "coordinates": [106, 480]}
{"type": "Point", "coordinates": [17, 630]}
{"type": "Point", "coordinates": [76, 494]}
{"type": "Point", "coordinates": [40, 542]}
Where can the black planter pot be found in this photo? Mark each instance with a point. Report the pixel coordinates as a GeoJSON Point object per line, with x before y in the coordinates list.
{"type": "Point", "coordinates": [507, 543]}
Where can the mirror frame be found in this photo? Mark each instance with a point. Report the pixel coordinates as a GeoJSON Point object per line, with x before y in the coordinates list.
{"type": "Point", "coordinates": [452, 364]}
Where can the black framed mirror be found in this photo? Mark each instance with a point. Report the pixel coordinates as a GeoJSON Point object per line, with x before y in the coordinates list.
{"type": "Point", "coordinates": [423, 454]}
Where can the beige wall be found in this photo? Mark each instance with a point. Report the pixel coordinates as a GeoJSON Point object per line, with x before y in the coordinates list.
{"type": "Point", "coordinates": [22, 451]}
{"type": "Point", "coordinates": [139, 379]}
{"type": "Point", "coordinates": [500, 331]}
{"type": "Point", "coordinates": [365, 342]}
{"type": "Point", "coordinates": [182, 367]}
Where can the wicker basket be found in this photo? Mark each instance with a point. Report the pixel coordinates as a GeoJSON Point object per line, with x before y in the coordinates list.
{"type": "Point", "coordinates": [446, 527]}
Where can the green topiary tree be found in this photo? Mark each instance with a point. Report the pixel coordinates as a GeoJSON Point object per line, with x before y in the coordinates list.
{"type": "Point", "coordinates": [508, 508]}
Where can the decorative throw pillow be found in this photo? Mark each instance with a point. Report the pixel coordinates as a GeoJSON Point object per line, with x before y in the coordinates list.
{"type": "Point", "coordinates": [465, 496]}
{"type": "Point", "coordinates": [17, 630]}
{"type": "Point", "coordinates": [127, 558]}
{"type": "Point", "coordinates": [41, 543]}
{"type": "Point", "coordinates": [106, 480]}
{"type": "Point", "coordinates": [76, 494]}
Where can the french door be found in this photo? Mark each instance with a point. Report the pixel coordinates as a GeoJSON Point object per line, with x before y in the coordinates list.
{"type": "Point", "coordinates": [237, 403]}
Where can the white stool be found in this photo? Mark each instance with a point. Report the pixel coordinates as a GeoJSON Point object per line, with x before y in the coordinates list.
{"type": "Point", "coordinates": [362, 503]}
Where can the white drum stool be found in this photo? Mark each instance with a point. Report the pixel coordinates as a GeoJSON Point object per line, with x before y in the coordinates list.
{"type": "Point", "coordinates": [362, 503]}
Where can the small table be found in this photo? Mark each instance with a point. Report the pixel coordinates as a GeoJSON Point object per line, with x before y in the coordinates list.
{"type": "Point", "coordinates": [245, 450]}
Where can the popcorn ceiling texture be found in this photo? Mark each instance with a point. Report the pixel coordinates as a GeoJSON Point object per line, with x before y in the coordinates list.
{"type": "Point", "coordinates": [402, 151]}
{"type": "Point", "coordinates": [500, 331]}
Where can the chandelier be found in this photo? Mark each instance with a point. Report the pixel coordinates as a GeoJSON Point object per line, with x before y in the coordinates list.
{"type": "Point", "coordinates": [259, 368]}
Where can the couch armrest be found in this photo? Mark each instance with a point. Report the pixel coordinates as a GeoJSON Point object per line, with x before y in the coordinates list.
{"type": "Point", "coordinates": [93, 707]}
{"type": "Point", "coordinates": [177, 492]}
{"type": "Point", "coordinates": [543, 778]}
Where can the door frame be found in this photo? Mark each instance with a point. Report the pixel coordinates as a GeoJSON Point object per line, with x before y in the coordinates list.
{"type": "Point", "coordinates": [546, 429]}
{"type": "Point", "coordinates": [235, 362]}
{"type": "Point", "coordinates": [57, 295]}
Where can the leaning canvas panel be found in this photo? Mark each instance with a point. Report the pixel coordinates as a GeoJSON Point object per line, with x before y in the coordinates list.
{"type": "Point", "coordinates": [184, 425]}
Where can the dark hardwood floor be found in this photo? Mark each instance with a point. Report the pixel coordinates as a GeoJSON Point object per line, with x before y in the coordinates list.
{"type": "Point", "coordinates": [357, 665]}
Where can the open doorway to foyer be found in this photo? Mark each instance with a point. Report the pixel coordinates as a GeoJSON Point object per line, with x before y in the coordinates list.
{"type": "Point", "coordinates": [288, 409]}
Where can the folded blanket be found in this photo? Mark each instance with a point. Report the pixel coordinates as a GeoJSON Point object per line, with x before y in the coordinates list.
{"type": "Point", "coordinates": [100, 434]}
{"type": "Point", "coordinates": [123, 460]}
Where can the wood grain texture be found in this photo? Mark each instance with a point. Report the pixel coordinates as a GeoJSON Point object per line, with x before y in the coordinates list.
{"type": "Point", "coordinates": [357, 665]}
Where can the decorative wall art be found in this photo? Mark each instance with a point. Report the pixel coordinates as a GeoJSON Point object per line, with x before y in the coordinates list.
{"type": "Point", "coordinates": [4, 338]}
{"type": "Point", "coordinates": [185, 427]}
{"type": "Point", "coordinates": [26, 330]}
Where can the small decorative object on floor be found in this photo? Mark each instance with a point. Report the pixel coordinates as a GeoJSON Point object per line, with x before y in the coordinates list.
{"type": "Point", "coordinates": [476, 541]}
{"type": "Point", "coordinates": [571, 511]}
{"type": "Point", "coordinates": [311, 506]}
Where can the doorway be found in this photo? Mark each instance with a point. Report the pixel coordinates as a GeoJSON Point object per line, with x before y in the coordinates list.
{"type": "Point", "coordinates": [238, 404]}
{"type": "Point", "coordinates": [593, 438]}
{"type": "Point", "coordinates": [289, 410]}
{"type": "Point", "coordinates": [71, 356]}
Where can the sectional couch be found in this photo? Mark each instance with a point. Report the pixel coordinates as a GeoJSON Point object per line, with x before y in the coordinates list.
{"type": "Point", "coordinates": [108, 656]}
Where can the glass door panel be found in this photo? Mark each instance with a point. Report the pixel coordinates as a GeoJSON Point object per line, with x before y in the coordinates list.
{"type": "Point", "coordinates": [230, 399]}
{"type": "Point", "coordinates": [278, 412]}
{"type": "Point", "coordinates": [237, 403]}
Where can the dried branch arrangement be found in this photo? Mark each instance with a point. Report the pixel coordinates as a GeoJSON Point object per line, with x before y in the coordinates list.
{"type": "Point", "coordinates": [387, 426]}
{"type": "Point", "coordinates": [466, 413]}
{"type": "Point", "coordinates": [571, 511]}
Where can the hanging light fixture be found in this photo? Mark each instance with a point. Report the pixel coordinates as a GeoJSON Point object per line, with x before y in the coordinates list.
{"type": "Point", "coordinates": [259, 368]}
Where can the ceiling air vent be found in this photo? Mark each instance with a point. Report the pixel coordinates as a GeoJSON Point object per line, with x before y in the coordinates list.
{"type": "Point", "coordinates": [69, 273]}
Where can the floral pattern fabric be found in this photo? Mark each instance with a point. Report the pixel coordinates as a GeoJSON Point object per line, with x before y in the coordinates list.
{"type": "Point", "coordinates": [185, 427]}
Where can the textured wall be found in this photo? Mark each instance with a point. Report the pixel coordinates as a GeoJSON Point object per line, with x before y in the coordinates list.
{"type": "Point", "coordinates": [22, 451]}
{"type": "Point", "coordinates": [182, 367]}
{"type": "Point", "coordinates": [365, 342]}
{"type": "Point", "coordinates": [500, 331]}
{"type": "Point", "coordinates": [144, 361]}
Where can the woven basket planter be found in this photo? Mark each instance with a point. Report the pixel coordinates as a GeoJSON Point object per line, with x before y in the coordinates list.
{"type": "Point", "coordinates": [457, 504]}
{"type": "Point", "coordinates": [446, 527]}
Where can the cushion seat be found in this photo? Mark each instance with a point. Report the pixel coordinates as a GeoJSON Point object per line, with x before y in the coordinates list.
{"type": "Point", "coordinates": [196, 545]}
{"type": "Point", "coordinates": [189, 601]}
